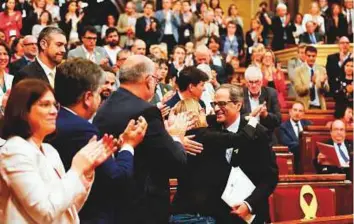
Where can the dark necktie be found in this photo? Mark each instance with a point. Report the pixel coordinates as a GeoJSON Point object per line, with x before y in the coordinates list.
{"type": "Point", "coordinates": [342, 154]}
{"type": "Point", "coordinates": [297, 129]}
{"type": "Point", "coordinates": [312, 89]}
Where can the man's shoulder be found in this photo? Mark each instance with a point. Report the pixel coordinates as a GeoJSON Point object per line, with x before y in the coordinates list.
{"type": "Point", "coordinates": [68, 121]}
{"type": "Point", "coordinates": [30, 68]}
{"type": "Point", "coordinates": [284, 124]}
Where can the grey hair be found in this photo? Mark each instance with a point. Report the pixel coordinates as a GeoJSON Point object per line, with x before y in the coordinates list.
{"type": "Point", "coordinates": [253, 72]}
{"type": "Point", "coordinates": [235, 92]}
{"type": "Point", "coordinates": [134, 67]}
{"type": "Point", "coordinates": [46, 33]}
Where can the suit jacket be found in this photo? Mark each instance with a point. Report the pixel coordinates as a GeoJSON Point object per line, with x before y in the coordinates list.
{"type": "Point", "coordinates": [288, 136]}
{"type": "Point", "coordinates": [324, 169]}
{"type": "Point", "coordinates": [302, 85]}
{"type": "Point", "coordinates": [273, 120]}
{"type": "Point", "coordinates": [35, 187]}
{"type": "Point", "coordinates": [257, 160]}
{"type": "Point", "coordinates": [164, 89]}
{"type": "Point", "coordinates": [278, 42]}
{"type": "Point", "coordinates": [200, 186]}
{"type": "Point", "coordinates": [16, 66]}
{"type": "Point", "coordinates": [305, 38]}
{"type": "Point", "coordinates": [72, 134]}
{"type": "Point", "coordinates": [175, 20]}
{"type": "Point", "coordinates": [122, 26]}
{"type": "Point", "coordinates": [200, 34]}
{"type": "Point", "coordinates": [32, 71]}
{"type": "Point", "coordinates": [150, 37]}
{"type": "Point", "coordinates": [333, 68]}
{"type": "Point", "coordinates": [79, 52]}
{"type": "Point", "coordinates": [333, 32]}
{"type": "Point", "coordinates": [156, 159]}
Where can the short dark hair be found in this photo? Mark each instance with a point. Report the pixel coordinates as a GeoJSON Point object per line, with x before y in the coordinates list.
{"type": "Point", "coordinates": [190, 75]}
{"type": "Point", "coordinates": [45, 34]}
{"type": "Point", "coordinates": [215, 38]}
{"type": "Point", "coordinates": [150, 3]}
{"type": "Point", "coordinates": [74, 77]}
{"type": "Point", "coordinates": [264, 3]}
{"type": "Point", "coordinates": [179, 46]}
{"type": "Point", "coordinates": [23, 95]}
{"type": "Point", "coordinates": [14, 44]}
{"type": "Point", "coordinates": [111, 30]}
{"type": "Point", "coordinates": [7, 49]}
{"type": "Point", "coordinates": [90, 29]}
{"type": "Point", "coordinates": [310, 49]}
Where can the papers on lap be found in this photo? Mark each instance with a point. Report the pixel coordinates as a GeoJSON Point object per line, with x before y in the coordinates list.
{"type": "Point", "coordinates": [330, 152]}
{"type": "Point", "coordinates": [237, 189]}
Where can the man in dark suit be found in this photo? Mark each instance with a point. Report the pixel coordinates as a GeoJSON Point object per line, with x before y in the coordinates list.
{"type": "Point", "coordinates": [147, 27]}
{"type": "Point", "coordinates": [344, 152]}
{"type": "Point", "coordinates": [77, 90]}
{"type": "Point", "coordinates": [289, 131]}
{"type": "Point", "coordinates": [335, 62]}
{"type": "Point", "coordinates": [190, 84]}
{"type": "Point", "coordinates": [310, 36]}
{"type": "Point", "coordinates": [282, 28]}
{"type": "Point", "coordinates": [262, 101]}
{"type": "Point", "coordinates": [159, 157]}
{"type": "Point", "coordinates": [255, 157]}
{"type": "Point", "coordinates": [30, 51]}
{"type": "Point", "coordinates": [51, 44]}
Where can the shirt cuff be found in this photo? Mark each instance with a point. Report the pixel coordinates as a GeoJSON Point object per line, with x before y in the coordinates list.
{"type": "Point", "coordinates": [176, 139]}
{"type": "Point", "coordinates": [127, 147]}
{"type": "Point", "coordinates": [248, 205]}
{"type": "Point", "coordinates": [253, 122]}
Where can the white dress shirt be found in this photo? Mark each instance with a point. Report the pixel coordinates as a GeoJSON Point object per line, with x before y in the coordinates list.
{"type": "Point", "coordinates": [50, 73]}
{"type": "Point", "coordinates": [293, 124]}
{"type": "Point", "coordinates": [168, 24]}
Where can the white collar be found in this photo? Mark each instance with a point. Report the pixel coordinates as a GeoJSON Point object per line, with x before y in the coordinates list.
{"type": "Point", "coordinates": [234, 126]}
{"type": "Point", "coordinates": [46, 69]}
{"type": "Point", "coordinates": [71, 111]}
{"type": "Point", "coordinates": [87, 52]}
{"type": "Point", "coordinates": [180, 95]}
{"type": "Point", "coordinates": [253, 98]}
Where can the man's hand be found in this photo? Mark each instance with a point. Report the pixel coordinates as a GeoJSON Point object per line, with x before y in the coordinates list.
{"type": "Point", "coordinates": [323, 160]}
{"type": "Point", "coordinates": [257, 110]}
{"type": "Point", "coordinates": [192, 147]}
{"type": "Point", "coordinates": [263, 112]}
{"type": "Point", "coordinates": [134, 132]}
{"type": "Point", "coordinates": [241, 210]}
{"type": "Point", "coordinates": [165, 110]}
{"type": "Point", "coordinates": [167, 96]}
{"type": "Point", "coordinates": [104, 61]}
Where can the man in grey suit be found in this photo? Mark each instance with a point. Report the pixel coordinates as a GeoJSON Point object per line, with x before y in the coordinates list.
{"type": "Point", "coordinates": [88, 49]}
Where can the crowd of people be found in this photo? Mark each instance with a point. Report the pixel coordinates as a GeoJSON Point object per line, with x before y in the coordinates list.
{"type": "Point", "coordinates": [99, 111]}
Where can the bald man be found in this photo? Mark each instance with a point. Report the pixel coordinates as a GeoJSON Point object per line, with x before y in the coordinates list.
{"type": "Point", "coordinates": [335, 62]}
{"type": "Point", "coordinates": [145, 196]}
{"type": "Point", "coordinates": [139, 47]}
{"type": "Point", "coordinates": [30, 51]}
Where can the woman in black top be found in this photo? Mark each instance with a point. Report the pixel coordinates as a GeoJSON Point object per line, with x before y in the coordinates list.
{"type": "Point", "coordinates": [336, 24]}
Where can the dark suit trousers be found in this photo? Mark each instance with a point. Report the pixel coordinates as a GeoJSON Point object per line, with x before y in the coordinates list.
{"type": "Point", "coordinates": [170, 41]}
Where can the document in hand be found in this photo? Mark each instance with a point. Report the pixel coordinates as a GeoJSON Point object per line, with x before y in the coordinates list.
{"type": "Point", "coordinates": [237, 189]}
{"type": "Point", "coordinates": [330, 152]}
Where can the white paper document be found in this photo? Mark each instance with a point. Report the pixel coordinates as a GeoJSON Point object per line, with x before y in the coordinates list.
{"type": "Point", "coordinates": [237, 189]}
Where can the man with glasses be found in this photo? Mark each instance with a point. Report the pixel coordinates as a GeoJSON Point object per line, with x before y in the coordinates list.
{"type": "Point", "coordinates": [51, 44]}
{"type": "Point", "coordinates": [254, 156]}
{"type": "Point", "coordinates": [88, 49]}
{"type": "Point", "coordinates": [30, 51]}
{"type": "Point", "coordinates": [335, 62]}
{"type": "Point", "coordinates": [121, 58]}
{"type": "Point", "coordinates": [261, 102]}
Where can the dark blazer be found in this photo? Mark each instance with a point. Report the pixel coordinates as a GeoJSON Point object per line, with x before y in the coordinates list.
{"type": "Point", "coordinates": [278, 42]}
{"type": "Point", "coordinates": [16, 66]}
{"type": "Point", "coordinates": [145, 199]}
{"type": "Point", "coordinates": [273, 120]}
{"type": "Point", "coordinates": [305, 38]}
{"type": "Point", "coordinates": [334, 32]}
{"type": "Point", "coordinates": [164, 89]}
{"type": "Point", "coordinates": [221, 73]}
{"type": "Point", "coordinates": [31, 71]}
{"type": "Point", "coordinates": [150, 37]}
{"type": "Point", "coordinates": [322, 169]}
{"type": "Point", "coordinates": [201, 185]}
{"type": "Point", "coordinates": [257, 160]}
{"type": "Point", "coordinates": [288, 136]}
{"type": "Point", "coordinates": [175, 99]}
{"type": "Point", "coordinates": [73, 133]}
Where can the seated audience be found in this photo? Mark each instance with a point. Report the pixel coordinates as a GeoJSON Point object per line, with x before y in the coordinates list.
{"type": "Point", "coordinates": [289, 131]}
{"type": "Point", "coordinates": [273, 76]}
{"type": "Point", "coordinates": [78, 82]}
{"type": "Point", "coordinates": [5, 78]}
{"type": "Point", "coordinates": [343, 149]}
{"type": "Point", "coordinates": [190, 83]}
{"type": "Point", "coordinates": [16, 49]}
{"type": "Point", "coordinates": [139, 47]}
{"type": "Point", "coordinates": [315, 17]}
{"type": "Point", "coordinates": [282, 29]}
{"type": "Point", "coordinates": [30, 52]}
{"type": "Point", "coordinates": [257, 55]}
{"type": "Point", "coordinates": [189, 61]}
{"type": "Point", "coordinates": [310, 36]}
{"type": "Point", "coordinates": [217, 57]}
{"type": "Point", "coordinates": [336, 25]}
{"type": "Point", "coordinates": [310, 82]}
{"type": "Point", "coordinates": [158, 52]}
{"type": "Point", "coordinates": [346, 115]}
{"type": "Point", "coordinates": [37, 185]}
{"type": "Point", "coordinates": [88, 49]}
{"type": "Point", "coordinates": [261, 101]}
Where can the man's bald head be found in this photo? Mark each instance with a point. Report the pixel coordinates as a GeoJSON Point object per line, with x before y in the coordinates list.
{"type": "Point", "coordinates": [139, 47]}
{"type": "Point", "coordinates": [344, 46]}
{"type": "Point", "coordinates": [134, 69]}
{"type": "Point", "coordinates": [202, 55]}
{"type": "Point", "coordinates": [30, 47]}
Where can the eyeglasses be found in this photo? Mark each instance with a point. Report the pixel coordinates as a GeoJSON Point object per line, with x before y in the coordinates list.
{"type": "Point", "coordinates": [256, 82]}
{"type": "Point", "coordinates": [91, 38]}
{"type": "Point", "coordinates": [48, 105]}
{"type": "Point", "coordinates": [30, 44]}
{"type": "Point", "coordinates": [221, 103]}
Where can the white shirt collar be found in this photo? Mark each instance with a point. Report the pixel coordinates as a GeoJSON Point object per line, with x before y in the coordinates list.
{"type": "Point", "coordinates": [71, 111]}
{"type": "Point", "coordinates": [234, 126]}
{"type": "Point", "coordinates": [180, 95]}
{"type": "Point", "coordinates": [87, 52]}
{"type": "Point", "coordinates": [46, 69]}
